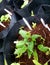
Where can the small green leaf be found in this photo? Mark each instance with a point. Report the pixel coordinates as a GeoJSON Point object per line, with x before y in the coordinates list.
{"type": "Point", "coordinates": [35, 55]}
{"type": "Point", "coordinates": [36, 62]}
{"type": "Point", "coordinates": [20, 44]}
{"type": "Point", "coordinates": [30, 49]}
{"type": "Point", "coordinates": [24, 34]}
{"type": "Point", "coordinates": [30, 46]}
{"type": "Point", "coordinates": [29, 54]}
{"type": "Point", "coordinates": [33, 25]}
{"type": "Point", "coordinates": [15, 63]}
{"type": "Point", "coordinates": [7, 17]}
{"type": "Point", "coordinates": [2, 18]}
{"type": "Point", "coordinates": [42, 48]}
{"type": "Point", "coordinates": [20, 51]}
{"type": "Point", "coordinates": [35, 36]}
{"type": "Point", "coordinates": [32, 14]}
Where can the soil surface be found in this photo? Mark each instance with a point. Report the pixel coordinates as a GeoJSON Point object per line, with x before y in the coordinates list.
{"type": "Point", "coordinates": [6, 24]}
{"type": "Point", "coordinates": [40, 29]}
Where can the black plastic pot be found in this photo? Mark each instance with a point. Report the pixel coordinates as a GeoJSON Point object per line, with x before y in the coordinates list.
{"type": "Point", "coordinates": [24, 12]}
{"type": "Point", "coordinates": [9, 35]}
{"type": "Point", "coordinates": [15, 28]}
{"type": "Point", "coordinates": [33, 5]}
{"type": "Point", "coordinates": [44, 11]}
{"type": "Point", "coordinates": [4, 33]}
{"type": "Point", "coordinates": [10, 38]}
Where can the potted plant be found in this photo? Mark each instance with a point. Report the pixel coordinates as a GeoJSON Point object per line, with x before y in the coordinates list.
{"type": "Point", "coordinates": [5, 20]}
{"type": "Point", "coordinates": [32, 46]}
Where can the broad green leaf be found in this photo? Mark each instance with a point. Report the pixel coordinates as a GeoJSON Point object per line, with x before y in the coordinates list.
{"type": "Point", "coordinates": [30, 46]}
{"type": "Point", "coordinates": [35, 36]}
{"type": "Point", "coordinates": [20, 51]}
{"type": "Point", "coordinates": [36, 62]}
{"type": "Point", "coordinates": [20, 44]}
{"type": "Point", "coordinates": [30, 49]}
{"type": "Point", "coordinates": [43, 48]}
{"type": "Point", "coordinates": [24, 34]}
{"type": "Point", "coordinates": [35, 55]}
{"type": "Point", "coordinates": [15, 63]}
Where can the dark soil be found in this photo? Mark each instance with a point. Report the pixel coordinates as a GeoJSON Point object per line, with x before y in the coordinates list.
{"type": "Point", "coordinates": [6, 24]}
{"type": "Point", "coordinates": [40, 29]}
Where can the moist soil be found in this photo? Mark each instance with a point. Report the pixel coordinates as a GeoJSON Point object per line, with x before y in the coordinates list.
{"type": "Point", "coordinates": [3, 28]}
{"type": "Point", "coordinates": [39, 29]}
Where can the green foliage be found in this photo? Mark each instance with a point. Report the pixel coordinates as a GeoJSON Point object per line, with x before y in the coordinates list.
{"type": "Point", "coordinates": [35, 36]}
{"type": "Point", "coordinates": [35, 55]}
{"type": "Point", "coordinates": [36, 62]}
{"type": "Point", "coordinates": [33, 25]}
{"type": "Point", "coordinates": [20, 51]}
{"type": "Point", "coordinates": [44, 49]}
{"type": "Point", "coordinates": [32, 14]}
{"type": "Point", "coordinates": [15, 63]}
{"type": "Point", "coordinates": [24, 34]}
{"type": "Point", "coordinates": [30, 49]}
{"type": "Point", "coordinates": [4, 18]}
{"type": "Point", "coordinates": [27, 45]}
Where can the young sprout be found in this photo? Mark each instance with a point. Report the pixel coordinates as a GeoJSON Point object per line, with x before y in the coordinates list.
{"type": "Point", "coordinates": [32, 14]}
{"type": "Point", "coordinates": [25, 3]}
{"type": "Point", "coordinates": [33, 25]}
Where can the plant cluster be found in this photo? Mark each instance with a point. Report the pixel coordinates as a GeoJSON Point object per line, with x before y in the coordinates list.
{"type": "Point", "coordinates": [4, 18]}
{"type": "Point", "coordinates": [27, 44]}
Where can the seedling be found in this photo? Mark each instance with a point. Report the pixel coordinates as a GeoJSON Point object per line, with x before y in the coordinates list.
{"type": "Point", "coordinates": [27, 45]}
{"type": "Point", "coordinates": [4, 18]}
